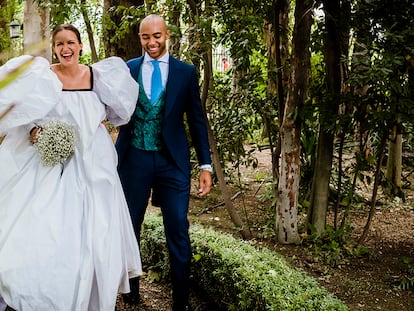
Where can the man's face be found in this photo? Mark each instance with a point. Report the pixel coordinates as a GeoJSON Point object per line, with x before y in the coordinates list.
{"type": "Point", "coordinates": [153, 36]}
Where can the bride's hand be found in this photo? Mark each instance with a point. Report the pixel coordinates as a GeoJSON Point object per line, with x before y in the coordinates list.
{"type": "Point", "coordinates": [33, 134]}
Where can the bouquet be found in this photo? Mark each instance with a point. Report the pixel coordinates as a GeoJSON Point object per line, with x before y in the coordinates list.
{"type": "Point", "coordinates": [55, 142]}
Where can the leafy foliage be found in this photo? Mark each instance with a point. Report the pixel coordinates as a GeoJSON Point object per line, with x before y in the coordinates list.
{"type": "Point", "coordinates": [232, 120]}
{"type": "Point", "coordinates": [333, 246]}
{"type": "Point", "coordinates": [406, 282]}
{"type": "Point", "coordinates": [240, 277]}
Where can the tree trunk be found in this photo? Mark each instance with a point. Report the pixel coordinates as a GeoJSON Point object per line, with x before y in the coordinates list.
{"type": "Point", "coordinates": [377, 180]}
{"type": "Point", "coordinates": [235, 217]}
{"type": "Point", "coordinates": [175, 39]}
{"type": "Point", "coordinates": [269, 126]}
{"type": "Point", "coordinates": [280, 26]}
{"type": "Point", "coordinates": [320, 183]}
{"type": "Point", "coordinates": [394, 162]}
{"type": "Point", "coordinates": [286, 207]}
{"type": "Point", "coordinates": [322, 173]}
{"type": "Point", "coordinates": [129, 45]}
{"type": "Point", "coordinates": [36, 29]}
{"type": "Point", "coordinates": [282, 8]}
{"type": "Point", "coordinates": [288, 190]}
{"type": "Point", "coordinates": [89, 30]}
{"type": "Point", "coordinates": [194, 33]}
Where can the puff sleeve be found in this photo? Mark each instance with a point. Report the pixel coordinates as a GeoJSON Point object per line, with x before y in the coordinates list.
{"type": "Point", "coordinates": [116, 89]}
{"type": "Point", "coordinates": [34, 93]}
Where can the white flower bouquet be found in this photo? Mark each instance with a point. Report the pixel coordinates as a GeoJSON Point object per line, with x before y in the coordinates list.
{"type": "Point", "coordinates": [55, 142]}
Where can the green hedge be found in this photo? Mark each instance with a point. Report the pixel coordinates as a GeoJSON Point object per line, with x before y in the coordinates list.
{"type": "Point", "coordinates": [235, 274]}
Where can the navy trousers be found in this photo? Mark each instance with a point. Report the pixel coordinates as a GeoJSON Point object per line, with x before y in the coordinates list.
{"type": "Point", "coordinates": [143, 173]}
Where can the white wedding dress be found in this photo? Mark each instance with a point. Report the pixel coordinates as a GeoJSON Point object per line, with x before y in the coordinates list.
{"type": "Point", "coordinates": [66, 238]}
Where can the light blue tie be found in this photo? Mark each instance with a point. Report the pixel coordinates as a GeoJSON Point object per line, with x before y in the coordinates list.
{"type": "Point", "coordinates": [156, 81]}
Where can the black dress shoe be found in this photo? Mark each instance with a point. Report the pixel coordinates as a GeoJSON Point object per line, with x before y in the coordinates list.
{"type": "Point", "coordinates": [132, 298]}
{"type": "Point", "coordinates": [186, 307]}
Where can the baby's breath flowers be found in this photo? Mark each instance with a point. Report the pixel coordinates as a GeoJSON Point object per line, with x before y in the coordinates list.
{"type": "Point", "coordinates": [55, 142]}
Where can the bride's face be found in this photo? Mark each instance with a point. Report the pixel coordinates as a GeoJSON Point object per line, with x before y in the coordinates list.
{"type": "Point", "coordinates": [67, 47]}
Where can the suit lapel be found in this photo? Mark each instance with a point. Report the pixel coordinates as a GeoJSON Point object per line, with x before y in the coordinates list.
{"type": "Point", "coordinates": [172, 85]}
{"type": "Point", "coordinates": [135, 66]}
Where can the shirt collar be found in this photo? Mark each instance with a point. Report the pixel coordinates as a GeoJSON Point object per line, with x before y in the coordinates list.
{"type": "Point", "coordinates": [163, 59]}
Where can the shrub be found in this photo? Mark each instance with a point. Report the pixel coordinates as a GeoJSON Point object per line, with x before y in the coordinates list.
{"type": "Point", "coordinates": [238, 276]}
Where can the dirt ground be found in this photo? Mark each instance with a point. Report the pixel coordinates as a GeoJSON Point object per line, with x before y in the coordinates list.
{"type": "Point", "coordinates": [363, 283]}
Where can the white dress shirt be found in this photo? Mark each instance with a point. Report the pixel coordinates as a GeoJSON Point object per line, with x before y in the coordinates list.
{"type": "Point", "coordinates": [147, 68]}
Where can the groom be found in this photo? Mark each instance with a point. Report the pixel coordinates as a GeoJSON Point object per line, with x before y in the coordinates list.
{"type": "Point", "coordinates": [154, 157]}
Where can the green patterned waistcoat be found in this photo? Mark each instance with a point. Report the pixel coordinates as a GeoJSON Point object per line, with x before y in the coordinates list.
{"type": "Point", "coordinates": [147, 121]}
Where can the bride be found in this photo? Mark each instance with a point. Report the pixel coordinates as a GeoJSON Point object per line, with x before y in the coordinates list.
{"type": "Point", "coordinates": [66, 238]}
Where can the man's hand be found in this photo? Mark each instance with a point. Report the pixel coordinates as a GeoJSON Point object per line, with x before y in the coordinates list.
{"type": "Point", "coordinates": [204, 183]}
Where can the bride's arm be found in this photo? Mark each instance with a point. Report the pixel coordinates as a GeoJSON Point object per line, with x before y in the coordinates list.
{"type": "Point", "coordinates": [119, 94]}
{"type": "Point", "coordinates": [34, 93]}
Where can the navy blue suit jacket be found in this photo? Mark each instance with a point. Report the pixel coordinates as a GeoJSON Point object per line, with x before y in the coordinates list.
{"type": "Point", "coordinates": [182, 98]}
